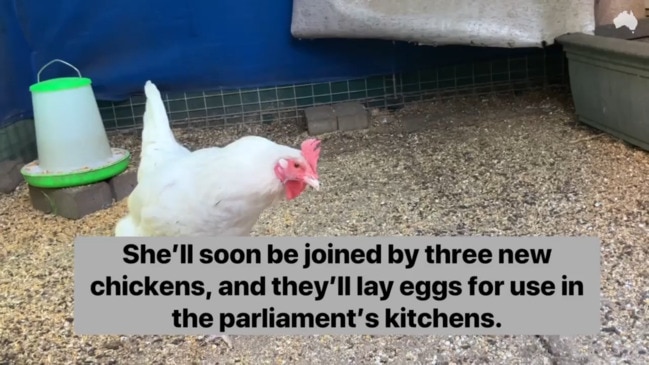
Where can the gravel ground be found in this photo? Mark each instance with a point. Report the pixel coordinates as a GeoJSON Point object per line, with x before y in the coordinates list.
{"type": "Point", "coordinates": [508, 165]}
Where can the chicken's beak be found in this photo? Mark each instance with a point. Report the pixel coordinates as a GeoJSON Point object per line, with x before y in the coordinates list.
{"type": "Point", "coordinates": [313, 182]}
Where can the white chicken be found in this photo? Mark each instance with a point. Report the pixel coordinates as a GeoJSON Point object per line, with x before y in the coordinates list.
{"type": "Point", "coordinates": [213, 191]}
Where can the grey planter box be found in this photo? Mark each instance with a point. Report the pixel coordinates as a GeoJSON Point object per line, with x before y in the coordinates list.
{"type": "Point", "coordinates": [609, 79]}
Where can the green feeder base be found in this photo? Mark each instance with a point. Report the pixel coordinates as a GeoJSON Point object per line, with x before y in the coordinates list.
{"type": "Point", "coordinates": [36, 176]}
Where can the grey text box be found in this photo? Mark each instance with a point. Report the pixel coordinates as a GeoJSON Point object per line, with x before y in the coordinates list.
{"type": "Point", "coordinates": [559, 297]}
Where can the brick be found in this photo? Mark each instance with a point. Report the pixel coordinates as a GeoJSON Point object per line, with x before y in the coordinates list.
{"type": "Point", "coordinates": [351, 116]}
{"type": "Point", "coordinates": [321, 119]}
{"type": "Point", "coordinates": [72, 203]}
{"type": "Point", "coordinates": [122, 185]}
{"type": "Point", "coordinates": [10, 176]}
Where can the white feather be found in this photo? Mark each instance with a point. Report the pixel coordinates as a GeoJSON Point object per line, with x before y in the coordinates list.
{"type": "Point", "coordinates": [208, 192]}
{"type": "Point", "coordinates": [159, 146]}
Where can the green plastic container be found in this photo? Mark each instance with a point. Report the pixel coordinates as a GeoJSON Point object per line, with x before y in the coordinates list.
{"type": "Point", "coordinates": [72, 144]}
{"type": "Point", "coordinates": [609, 79]}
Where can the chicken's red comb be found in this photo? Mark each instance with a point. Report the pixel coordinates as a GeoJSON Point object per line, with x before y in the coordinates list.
{"type": "Point", "coordinates": [311, 152]}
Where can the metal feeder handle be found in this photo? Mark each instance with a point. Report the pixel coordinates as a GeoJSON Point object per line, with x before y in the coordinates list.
{"type": "Point", "coordinates": [38, 76]}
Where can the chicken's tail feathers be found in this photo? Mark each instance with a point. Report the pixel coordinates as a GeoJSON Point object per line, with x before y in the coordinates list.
{"type": "Point", "coordinates": [158, 142]}
{"type": "Point", "coordinates": [126, 227]}
{"type": "Point", "coordinates": [155, 121]}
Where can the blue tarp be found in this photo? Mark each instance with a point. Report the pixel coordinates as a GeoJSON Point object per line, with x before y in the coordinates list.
{"type": "Point", "coordinates": [186, 45]}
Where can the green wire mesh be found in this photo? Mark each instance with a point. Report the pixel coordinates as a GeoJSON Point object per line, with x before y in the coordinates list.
{"type": "Point", "coordinates": [539, 70]}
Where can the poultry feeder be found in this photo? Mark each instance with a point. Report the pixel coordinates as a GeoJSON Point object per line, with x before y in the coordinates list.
{"type": "Point", "coordinates": [71, 141]}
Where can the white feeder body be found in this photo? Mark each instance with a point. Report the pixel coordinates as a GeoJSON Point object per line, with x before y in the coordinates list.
{"type": "Point", "coordinates": [70, 134]}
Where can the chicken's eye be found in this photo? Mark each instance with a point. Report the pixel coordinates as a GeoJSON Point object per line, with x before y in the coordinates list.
{"type": "Point", "coordinates": [296, 165]}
